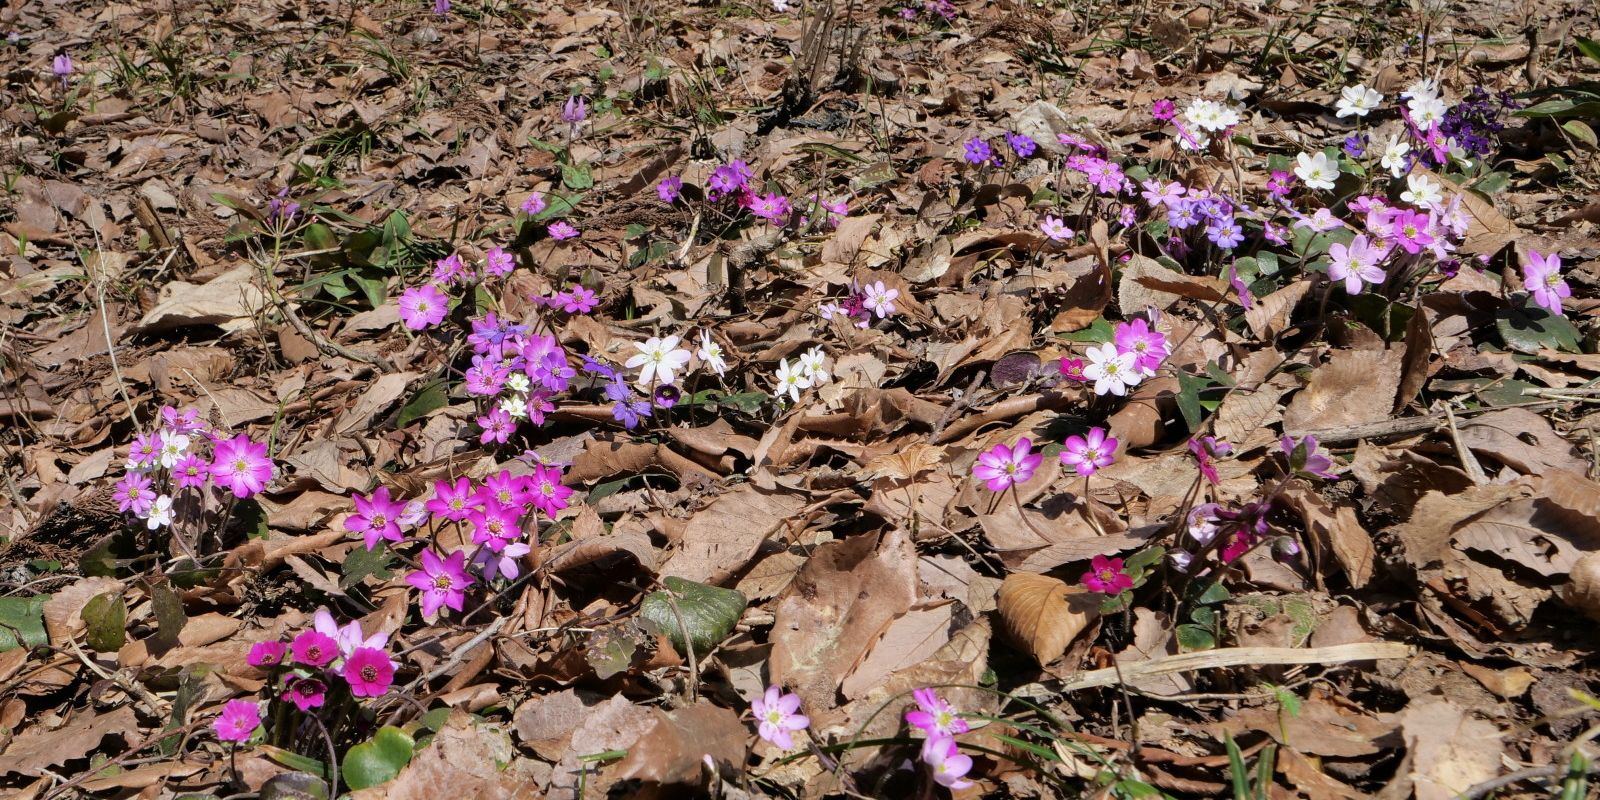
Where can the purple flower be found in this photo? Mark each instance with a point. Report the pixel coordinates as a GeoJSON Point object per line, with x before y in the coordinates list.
{"type": "Point", "coordinates": [443, 582]}
{"type": "Point", "coordinates": [1089, 453]}
{"type": "Point", "coordinates": [61, 65]}
{"type": "Point", "coordinates": [562, 230]}
{"type": "Point", "coordinates": [1106, 576]}
{"type": "Point", "coordinates": [1148, 346]}
{"type": "Point", "coordinates": [772, 207]}
{"type": "Point", "coordinates": [1021, 144]}
{"type": "Point", "coordinates": [1225, 234]}
{"type": "Point", "coordinates": [376, 518]}
{"type": "Point", "coordinates": [575, 110]}
{"type": "Point", "coordinates": [498, 262]}
{"type": "Point", "coordinates": [729, 178]}
{"type": "Point", "coordinates": [977, 151]}
{"type": "Point", "coordinates": [534, 204]}
{"type": "Point", "coordinates": [1541, 276]}
{"type": "Point", "coordinates": [495, 525]}
{"type": "Point", "coordinates": [630, 412]}
{"type": "Point", "coordinates": [1357, 263]}
{"type": "Point", "coordinates": [577, 300]}
{"type": "Point", "coordinates": [778, 715]}
{"type": "Point", "coordinates": [667, 395]}
{"type": "Point", "coordinates": [669, 188]}
{"type": "Point", "coordinates": [1206, 449]}
{"type": "Point", "coordinates": [1411, 229]}
{"type": "Point", "coordinates": [423, 307]}
{"type": "Point", "coordinates": [1002, 466]}
{"type": "Point", "coordinates": [238, 721]}
{"type": "Point", "coordinates": [1355, 145]}
{"type": "Point", "coordinates": [549, 494]}
{"type": "Point", "coordinates": [497, 427]}
{"type": "Point", "coordinates": [1304, 458]}
{"type": "Point", "coordinates": [450, 270]}
{"type": "Point", "coordinates": [134, 495]}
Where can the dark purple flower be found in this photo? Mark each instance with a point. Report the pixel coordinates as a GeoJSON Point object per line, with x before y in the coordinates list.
{"type": "Point", "coordinates": [667, 395]}
{"type": "Point", "coordinates": [1021, 144]}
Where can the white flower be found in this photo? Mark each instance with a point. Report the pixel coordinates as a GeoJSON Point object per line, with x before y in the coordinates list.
{"type": "Point", "coordinates": [1421, 192]}
{"type": "Point", "coordinates": [791, 379]}
{"type": "Point", "coordinates": [1458, 153]}
{"type": "Point", "coordinates": [710, 353]}
{"type": "Point", "coordinates": [827, 310]}
{"type": "Point", "coordinates": [1321, 222]}
{"type": "Point", "coordinates": [516, 405]}
{"type": "Point", "coordinates": [1394, 156]}
{"type": "Point", "coordinates": [517, 382]}
{"type": "Point", "coordinates": [780, 6]}
{"type": "Point", "coordinates": [660, 358]}
{"type": "Point", "coordinates": [1357, 100]}
{"type": "Point", "coordinates": [880, 300]}
{"type": "Point", "coordinates": [174, 446]}
{"type": "Point", "coordinates": [1424, 88]}
{"type": "Point", "coordinates": [1054, 228]}
{"type": "Point", "coordinates": [1317, 171]}
{"type": "Point", "coordinates": [1110, 370]}
{"type": "Point", "coordinates": [812, 363]}
{"type": "Point", "coordinates": [1210, 115]}
{"type": "Point", "coordinates": [160, 513]}
{"type": "Point", "coordinates": [1427, 111]}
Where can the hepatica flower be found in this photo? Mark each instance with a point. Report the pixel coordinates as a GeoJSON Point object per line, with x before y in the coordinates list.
{"type": "Point", "coordinates": [1304, 458]}
{"type": "Point", "coordinates": [934, 716]}
{"type": "Point", "coordinates": [1356, 264]}
{"type": "Point", "coordinates": [1071, 368]}
{"type": "Point", "coordinates": [1054, 229]}
{"type": "Point", "coordinates": [773, 208]}
{"type": "Point", "coordinates": [1316, 171]}
{"type": "Point", "coordinates": [1106, 576]}
{"type": "Point", "coordinates": [314, 648]}
{"type": "Point", "coordinates": [160, 513]}
{"type": "Point", "coordinates": [1001, 466]}
{"type": "Point", "coordinates": [669, 188]}
{"type": "Point", "coordinates": [369, 672]}
{"type": "Point", "coordinates": [1357, 101]}
{"type": "Point", "coordinates": [240, 466]}
{"type": "Point", "coordinates": [778, 715]}
{"type": "Point", "coordinates": [1112, 371]}
{"type": "Point", "coordinates": [1541, 276]}
{"type": "Point", "coordinates": [533, 204]}
{"type": "Point", "coordinates": [442, 581]}
{"type": "Point", "coordinates": [1206, 449]}
{"type": "Point", "coordinates": [791, 380]}
{"type": "Point", "coordinates": [1090, 452]}
{"type": "Point", "coordinates": [376, 518]}
{"type": "Point", "coordinates": [878, 299]}
{"type": "Point", "coordinates": [710, 353]}
{"type": "Point", "coordinates": [950, 767]}
{"type": "Point", "coordinates": [658, 359]}
{"type": "Point", "coordinates": [238, 721]}
{"type": "Point", "coordinates": [1022, 145]}
{"type": "Point", "coordinates": [267, 654]}
{"type": "Point", "coordinates": [498, 262]}
{"type": "Point", "coordinates": [562, 230]}
{"type": "Point", "coordinates": [423, 307]}
{"type": "Point", "coordinates": [306, 692]}
{"type": "Point", "coordinates": [977, 151]}
{"type": "Point", "coordinates": [452, 501]}
{"type": "Point", "coordinates": [134, 495]}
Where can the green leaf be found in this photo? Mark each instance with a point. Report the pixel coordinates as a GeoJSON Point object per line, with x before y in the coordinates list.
{"type": "Point", "coordinates": [1580, 131]}
{"type": "Point", "coordinates": [1492, 183]}
{"type": "Point", "coordinates": [432, 396]}
{"type": "Point", "coordinates": [361, 563]}
{"type": "Point", "coordinates": [1529, 330]}
{"type": "Point", "coordinates": [1236, 768]}
{"type": "Point", "coordinates": [1194, 637]}
{"type": "Point", "coordinates": [708, 613]}
{"type": "Point", "coordinates": [252, 518]}
{"type": "Point", "coordinates": [25, 616]}
{"type": "Point", "coordinates": [294, 760]}
{"type": "Point", "coordinates": [610, 652]}
{"type": "Point", "coordinates": [576, 176]}
{"type": "Point", "coordinates": [1189, 387]}
{"type": "Point", "coordinates": [170, 618]}
{"type": "Point", "coordinates": [294, 786]}
{"type": "Point", "coordinates": [106, 616]}
{"type": "Point", "coordinates": [1588, 47]}
{"type": "Point", "coordinates": [396, 229]}
{"type": "Point", "coordinates": [376, 762]}
{"type": "Point", "coordinates": [1099, 332]}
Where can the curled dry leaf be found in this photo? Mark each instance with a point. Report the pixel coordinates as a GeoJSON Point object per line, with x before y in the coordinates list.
{"type": "Point", "coordinates": [1042, 615]}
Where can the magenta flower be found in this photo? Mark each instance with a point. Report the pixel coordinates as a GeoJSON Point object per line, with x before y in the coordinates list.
{"type": "Point", "coordinates": [443, 582]}
{"type": "Point", "coordinates": [1304, 458]}
{"type": "Point", "coordinates": [1163, 110]}
{"type": "Point", "coordinates": [452, 501]}
{"type": "Point", "coordinates": [1071, 368]}
{"type": "Point", "coordinates": [497, 426]}
{"type": "Point", "coordinates": [348, 638]}
{"type": "Point", "coordinates": [1003, 466]}
{"type": "Point", "coordinates": [935, 716]}
{"type": "Point", "coordinates": [498, 262]}
{"type": "Point", "coordinates": [369, 672]}
{"type": "Point", "coordinates": [534, 204]}
{"type": "Point", "coordinates": [238, 721]}
{"type": "Point", "coordinates": [977, 151]}
{"type": "Point", "coordinates": [778, 715]}
{"type": "Point", "coordinates": [1089, 453]}
{"type": "Point", "coordinates": [1106, 576]}
{"type": "Point", "coordinates": [314, 648]}
{"type": "Point", "coordinates": [134, 495]}
{"type": "Point", "coordinates": [145, 452]}
{"type": "Point", "coordinates": [669, 188]}
{"type": "Point", "coordinates": [1148, 346]}
{"type": "Point", "coordinates": [377, 517]}
{"type": "Point", "coordinates": [1541, 276]}
{"type": "Point", "coordinates": [577, 300]}
{"type": "Point", "coordinates": [772, 207]}
{"type": "Point", "coordinates": [267, 654]}
{"type": "Point", "coordinates": [305, 692]}
{"type": "Point", "coordinates": [190, 472]}
{"type": "Point", "coordinates": [949, 766]}
{"type": "Point", "coordinates": [1205, 450]}
{"type": "Point", "coordinates": [240, 465]}
{"type": "Point", "coordinates": [423, 307]}
{"type": "Point", "coordinates": [449, 270]}
{"type": "Point", "coordinates": [1411, 229]}
{"type": "Point", "coordinates": [562, 230]}
{"type": "Point", "coordinates": [549, 495]}
{"type": "Point", "coordinates": [494, 526]}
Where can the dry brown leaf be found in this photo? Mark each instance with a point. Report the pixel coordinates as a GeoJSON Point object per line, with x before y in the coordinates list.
{"type": "Point", "coordinates": [1531, 532]}
{"type": "Point", "coordinates": [1522, 440]}
{"type": "Point", "coordinates": [674, 750]}
{"type": "Point", "coordinates": [1042, 615]}
{"type": "Point", "coordinates": [722, 538]}
{"type": "Point", "coordinates": [1582, 590]}
{"type": "Point", "coordinates": [908, 641]}
{"type": "Point", "coordinates": [1246, 416]}
{"type": "Point", "coordinates": [1337, 530]}
{"type": "Point", "coordinates": [227, 301]}
{"type": "Point", "coordinates": [465, 759]}
{"type": "Point", "coordinates": [1270, 315]}
{"type": "Point", "coordinates": [37, 747]}
{"type": "Point", "coordinates": [1449, 749]}
{"type": "Point", "coordinates": [1355, 387]}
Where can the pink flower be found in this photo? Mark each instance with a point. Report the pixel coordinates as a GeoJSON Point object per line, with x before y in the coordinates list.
{"type": "Point", "coordinates": [190, 472]}
{"type": "Point", "coordinates": [561, 231]}
{"type": "Point", "coordinates": [1071, 368]}
{"type": "Point", "coordinates": [1163, 109]}
{"type": "Point", "coordinates": [1304, 458]}
{"type": "Point", "coordinates": [498, 262]}
{"type": "Point", "coordinates": [348, 638]}
{"type": "Point", "coordinates": [1411, 229]}
{"type": "Point", "coordinates": [1149, 347]}
{"type": "Point", "coordinates": [377, 517]}
{"type": "Point", "coordinates": [443, 582]}
{"type": "Point", "coordinates": [1003, 466]}
{"type": "Point", "coordinates": [534, 204]}
{"type": "Point", "coordinates": [935, 716]}
{"type": "Point", "coordinates": [314, 648]}
{"type": "Point", "coordinates": [949, 766]}
{"type": "Point", "coordinates": [577, 300]}
{"type": "Point", "coordinates": [772, 207]}
{"type": "Point", "coordinates": [240, 465]}
{"type": "Point", "coordinates": [134, 495]}
{"type": "Point", "coordinates": [1541, 276]}
{"type": "Point", "coordinates": [452, 501]}
{"type": "Point", "coordinates": [497, 427]}
{"type": "Point", "coordinates": [145, 452]}
{"type": "Point", "coordinates": [1105, 575]}
{"type": "Point", "coordinates": [669, 188]}
{"type": "Point", "coordinates": [778, 715]}
{"type": "Point", "coordinates": [1356, 264]}
{"type": "Point", "coordinates": [1089, 453]}
{"type": "Point", "coordinates": [549, 495]}
{"type": "Point", "coordinates": [449, 270]}
{"type": "Point", "coordinates": [494, 526]}
{"type": "Point", "coordinates": [369, 672]}
{"type": "Point", "coordinates": [305, 692]}
{"type": "Point", "coordinates": [879, 299]}
{"type": "Point", "coordinates": [423, 307]}
{"type": "Point", "coordinates": [1205, 450]}
{"type": "Point", "coordinates": [238, 720]}
{"type": "Point", "coordinates": [267, 654]}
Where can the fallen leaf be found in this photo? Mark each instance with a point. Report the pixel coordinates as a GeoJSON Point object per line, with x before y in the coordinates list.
{"type": "Point", "coordinates": [1042, 615]}
{"type": "Point", "coordinates": [1449, 750]}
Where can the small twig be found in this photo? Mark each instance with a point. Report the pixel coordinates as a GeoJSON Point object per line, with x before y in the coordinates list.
{"type": "Point", "coordinates": [1469, 462]}
{"type": "Point", "coordinates": [1490, 786]}
{"type": "Point", "coordinates": [1236, 657]}
{"type": "Point", "coordinates": [458, 656]}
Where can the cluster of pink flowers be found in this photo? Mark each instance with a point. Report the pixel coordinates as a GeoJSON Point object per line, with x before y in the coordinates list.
{"type": "Point", "coordinates": [324, 659]}
{"type": "Point", "coordinates": [517, 372]}
{"type": "Point", "coordinates": [1135, 353]}
{"type": "Point", "coordinates": [940, 724]}
{"type": "Point", "coordinates": [862, 304]}
{"type": "Point", "coordinates": [165, 463]}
